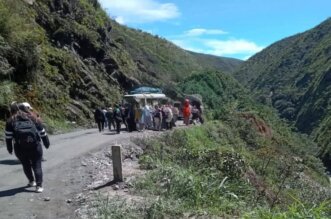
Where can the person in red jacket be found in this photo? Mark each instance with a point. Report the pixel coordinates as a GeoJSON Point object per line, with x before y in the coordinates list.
{"type": "Point", "coordinates": [186, 112]}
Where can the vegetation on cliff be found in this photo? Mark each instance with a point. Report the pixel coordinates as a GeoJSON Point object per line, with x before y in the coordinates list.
{"type": "Point", "coordinates": [294, 76]}
{"type": "Point", "coordinates": [245, 163]}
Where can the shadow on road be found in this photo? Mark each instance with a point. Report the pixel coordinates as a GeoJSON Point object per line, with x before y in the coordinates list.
{"type": "Point", "coordinates": [110, 133]}
{"type": "Point", "coordinates": [113, 182]}
{"type": "Point", "coordinates": [11, 192]}
{"type": "Point", "coordinates": [10, 162]}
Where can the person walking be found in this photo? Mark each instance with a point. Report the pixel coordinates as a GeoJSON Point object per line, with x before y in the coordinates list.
{"type": "Point", "coordinates": [27, 108]}
{"type": "Point", "coordinates": [142, 119]}
{"type": "Point", "coordinates": [164, 118]}
{"type": "Point", "coordinates": [125, 114]}
{"type": "Point", "coordinates": [27, 133]}
{"type": "Point", "coordinates": [137, 116]}
{"type": "Point", "coordinates": [104, 114]}
{"type": "Point", "coordinates": [99, 118]}
{"type": "Point", "coordinates": [110, 118]}
{"type": "Point", "coordinates": [157, 118]}
{"type": "Point", "coordinates": [175, 113]}
{"type": "Point", "coordinates": [169, 116]}
{"type": "Point", "coordinates": [148, 119]}
{"type": "Point", "coordinates": [186, 112]}
{"type": "Point", "coordinates": [131, 118]}
{"type": "Point", "coordinates": [117, 117]}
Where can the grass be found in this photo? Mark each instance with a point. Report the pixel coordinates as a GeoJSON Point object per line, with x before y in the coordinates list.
{"type": "Point", "coordinates": [217, 171]}
{"type": "Point", "coordinates": [297, 210]}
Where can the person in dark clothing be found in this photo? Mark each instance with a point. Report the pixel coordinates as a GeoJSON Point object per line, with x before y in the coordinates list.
{"type": "Point", "coordinates": [195, 114]}
{"type": "Point", "coordinates": [125, 113]}
{"type": "Point", "coordinates": [110, 118]}
{"type": "Point", "coordinates": [27, 132]}
{"type": "Point", "coordinates": [157, 118]}
{"type": "Point", "coordinates": [117, 114]}
{"type": "Point", "coordinates": [164, 118]}
{"type": "Point", "coordinates": [130, 119]}
{"type": "Point", "coordinates": [26, 108]}
{"type": "Point", "coordinates": [99, 118]}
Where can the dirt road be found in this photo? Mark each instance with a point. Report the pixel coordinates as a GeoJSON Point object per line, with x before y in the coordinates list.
{"type": "Point", "coordinates": [63, 175]}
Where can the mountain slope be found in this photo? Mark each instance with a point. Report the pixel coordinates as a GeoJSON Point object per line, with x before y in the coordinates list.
{"type": "Point", "coordinates": [67, 57]}
{"type": "Point", "coordinates": [162, 60]}
{"type": "Point", "coordinates": [294, 75]}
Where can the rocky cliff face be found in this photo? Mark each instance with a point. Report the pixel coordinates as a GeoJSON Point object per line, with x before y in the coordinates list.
{"type": "Point", "coordinates": [62, 64]}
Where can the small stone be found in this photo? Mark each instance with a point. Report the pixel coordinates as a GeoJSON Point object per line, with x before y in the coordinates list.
{"type": "Point", "coordinates": [116, 187]}
{"type": "Point", "coordinates": [47, 199]}
{"type": "Point", "coordinates": [69, 201]}
{"type": "Point", "coordinates": [84, 164]}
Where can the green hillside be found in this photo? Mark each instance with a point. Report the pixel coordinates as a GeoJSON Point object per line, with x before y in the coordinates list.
{"type": "Point", "coordinates": [67, 57]}
{"type": "Point", "coordinates": [211, 62]}
{"type": "Point", "coordinates": [294, 76]}
{"type": "Point", "coordinates": [245, 163]}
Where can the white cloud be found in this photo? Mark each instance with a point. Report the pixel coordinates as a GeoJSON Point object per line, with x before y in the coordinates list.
{"type": "Point", "coordinates": [120, 19]}
{"type": "Point", "coordinates": [237, 48]}
{"type": "Point", "coordinates": [139, 11]}
{"type": "Point", "coordinates": [202, 31]}
{"type": "Point", "coordinates": [231, 47]}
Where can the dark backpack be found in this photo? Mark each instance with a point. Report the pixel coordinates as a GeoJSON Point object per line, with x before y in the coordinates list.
{"type": "Point", "coordinates": [99, 115]}
{"type": "Point", "coordinates": [118, 115]}
{"type": "Point", "coordinates": [157, 114]}
{"type": "Point", "coordinates": [25, 132]}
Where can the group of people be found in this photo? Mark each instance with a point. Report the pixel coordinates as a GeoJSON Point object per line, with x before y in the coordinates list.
{"type": "Point", "coordinates": [24, 128]}
{"type": "Point", "coordinates": [136, 117]}
{"type": "Point", "coordinates": [24, 131]}
{"type": "Point", "coordinates": [109, 117]}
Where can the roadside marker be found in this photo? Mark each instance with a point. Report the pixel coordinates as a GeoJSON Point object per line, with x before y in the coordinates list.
{"type": "Point", "coordinates": [116, 151]}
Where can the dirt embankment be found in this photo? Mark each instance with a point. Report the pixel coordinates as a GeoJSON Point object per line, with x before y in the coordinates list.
{"type": "Point", "coordinates": [258, 124]}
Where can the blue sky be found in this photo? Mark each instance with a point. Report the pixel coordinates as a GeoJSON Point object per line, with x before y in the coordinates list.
{"type": "Point", "coordinates": [229, 28]}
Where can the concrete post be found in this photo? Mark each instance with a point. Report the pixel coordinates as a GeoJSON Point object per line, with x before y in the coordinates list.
{"type": "Point", "coordinates": [116, 151]}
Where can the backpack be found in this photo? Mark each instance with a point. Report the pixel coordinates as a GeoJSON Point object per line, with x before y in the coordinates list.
{"type": "Point", "coordinates": [25, 132]}
{"type": "Point", "coordinates": [118, 115]}
{"type": "Point", "coordinates": [157, 114]}
{"type": "Point", "coordinates": [99, 115]}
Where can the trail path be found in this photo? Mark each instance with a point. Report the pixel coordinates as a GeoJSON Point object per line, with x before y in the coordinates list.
{"type": "Point", "coordinates": [64, 175]}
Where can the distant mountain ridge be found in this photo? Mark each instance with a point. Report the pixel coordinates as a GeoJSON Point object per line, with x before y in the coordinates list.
{"type": "Point", "coordinates": [294, 76]}
{"type": "Point", "coordinates": [228, 65]}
